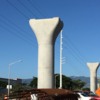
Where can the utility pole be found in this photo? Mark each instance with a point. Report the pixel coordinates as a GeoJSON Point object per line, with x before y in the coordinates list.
{"type": "Point", "coordinates": [61, 60]}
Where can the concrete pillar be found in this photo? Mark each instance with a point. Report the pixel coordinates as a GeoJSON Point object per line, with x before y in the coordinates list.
{"type": "Point", "coordinates": [46, 31]}
{"type": "Point", "coordinates": [93, 75]}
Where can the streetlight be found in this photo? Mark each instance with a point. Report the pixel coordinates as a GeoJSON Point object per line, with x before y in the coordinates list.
{"type": "Point", "coordinates": [55, 80]}
{"type": "Point", "coordinates": [9, 74]}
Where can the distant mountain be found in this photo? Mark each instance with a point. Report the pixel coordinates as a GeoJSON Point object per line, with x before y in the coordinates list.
{"type": "Point", "coordinates": [83, 78]}
{"type": "Point", "coordinates": [26, 81]}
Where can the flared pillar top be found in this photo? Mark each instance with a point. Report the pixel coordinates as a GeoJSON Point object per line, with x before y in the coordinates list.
{"type": "Point", "coordinates": [46, 30]}
{"type": "Point", "coordinates": [93, 66]}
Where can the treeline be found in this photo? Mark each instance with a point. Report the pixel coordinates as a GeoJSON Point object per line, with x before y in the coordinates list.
{"type": "Point", "coordinates": [67, 83]}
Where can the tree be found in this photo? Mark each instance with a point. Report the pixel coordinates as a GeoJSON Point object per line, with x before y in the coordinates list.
{"type": "Point", "coordinates": [66, 81]}
{"type": "Point", "coordinates": [33, 82]}
{"type": "Point", "coordinates": [86, 89]}
{"type": "Point", "coordinates": [3, 84]}
{"type": "Point", "coordinates": [78, 84]}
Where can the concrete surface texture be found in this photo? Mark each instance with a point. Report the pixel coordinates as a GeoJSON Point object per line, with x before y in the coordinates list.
{"type": "Point", "coordinates": [93, 75]}
{"type": "Point", "coordinates": [46, 31]}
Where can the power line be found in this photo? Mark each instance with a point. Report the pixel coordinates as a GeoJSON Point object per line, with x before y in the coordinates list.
{"type": "Point", "coordinates": [74, 53]}
{"type": "Point", "coordinates": [17, 35]}
{"type": "Point", "coordinates": [14, 24]}
{"type": "Point", "coordinates": [38, 10]}
{"type": "Point", "coordinates": [76, 49]}
{"type": "Point", "coordinates": [75, 57]}
{"type": "Point", "coordinates": [26, 8]}
{"type": "Point", "coordinates": [17, 9]}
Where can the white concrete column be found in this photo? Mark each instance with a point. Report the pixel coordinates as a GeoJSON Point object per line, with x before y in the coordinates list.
{"type": "Point", "coordinates": [93, 75]}
{"type": "Point", "coordinates": [46, 31]}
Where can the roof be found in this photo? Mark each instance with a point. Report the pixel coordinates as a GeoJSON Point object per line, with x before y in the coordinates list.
{"type": "Point", "coordinates": [46, 94]}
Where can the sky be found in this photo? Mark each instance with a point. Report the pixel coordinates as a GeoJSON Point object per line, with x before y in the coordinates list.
{"type": "Point", "coordinates": [81, 34]}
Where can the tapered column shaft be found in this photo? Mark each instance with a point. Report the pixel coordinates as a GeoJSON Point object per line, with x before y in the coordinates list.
{"type": "Point", "coordinates": [46, 66]}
